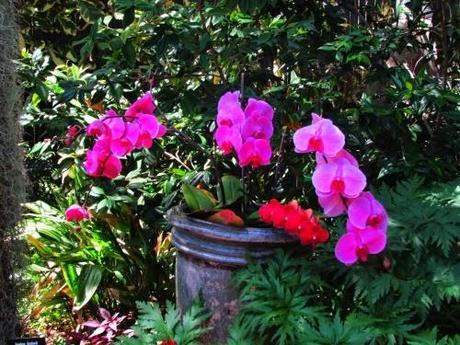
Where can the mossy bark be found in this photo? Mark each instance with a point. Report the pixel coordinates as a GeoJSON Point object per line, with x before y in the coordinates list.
{"type": "Point", "coordinates": [11, 168]}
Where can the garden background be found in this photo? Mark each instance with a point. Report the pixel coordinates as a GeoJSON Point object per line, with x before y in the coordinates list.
{"type": "Point", "coordinates": [386, 72]}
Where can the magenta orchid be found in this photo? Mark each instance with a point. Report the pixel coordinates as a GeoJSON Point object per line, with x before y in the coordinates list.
{"type": "Point", "coordinates": [321, 136]}
{"type": "Point", "coordinates": [247, 132]}
{"type": "Point", "coordinates": [228, 138]}
{"type": "Point", "coordinates": [342, 154]}
{"type": "Point", "coordinates": [338, 181]}
{"type": "Point", "coordinates": [339, 185]}
{"type": "Point", "coordinates": [365, 212]}
{"type": "Point", "coordinates": [338, 178]}
{"type": "Point", "coordinates": [255, 152]}
{"type": "Point", "coordinates": [229, 111]}
{"type": "Point", "coordinates": [356, 245]}
{"type": "Point", "coordinates": [144, 105]}
{"type": "Point", "coordinates": [117, 136]}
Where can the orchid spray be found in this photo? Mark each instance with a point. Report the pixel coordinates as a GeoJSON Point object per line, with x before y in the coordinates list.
{"type": "Point", "coordinates": [243, 134]}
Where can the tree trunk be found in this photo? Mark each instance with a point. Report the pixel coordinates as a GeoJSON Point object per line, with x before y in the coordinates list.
{"type": "Point", "coordinates": [11, 168]}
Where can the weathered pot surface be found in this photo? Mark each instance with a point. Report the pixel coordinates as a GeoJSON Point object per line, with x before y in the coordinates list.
{"type": "Point", "coordinates": [207, 254]}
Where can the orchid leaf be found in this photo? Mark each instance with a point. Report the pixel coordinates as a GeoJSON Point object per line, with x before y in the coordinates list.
{"type": "Point", "coordinates": [198, 199]}
{"type": "Point", "coordinates": [232, 189]}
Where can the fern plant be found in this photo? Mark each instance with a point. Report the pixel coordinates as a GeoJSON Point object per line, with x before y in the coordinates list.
{"type": "Point", "coordinates": [153, 327]}
{"type": "Point", "coordinates": [408, 295]}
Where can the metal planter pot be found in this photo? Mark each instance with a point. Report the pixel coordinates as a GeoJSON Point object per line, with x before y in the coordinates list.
{"type": "Point", "coordinates": [207, 254]}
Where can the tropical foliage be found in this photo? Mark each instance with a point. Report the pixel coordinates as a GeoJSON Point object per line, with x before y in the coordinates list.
{"type": "Point", "coordinates": [386, 73]}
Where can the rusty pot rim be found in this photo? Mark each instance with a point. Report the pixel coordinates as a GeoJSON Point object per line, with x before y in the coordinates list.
{"type": "Point", "coordinates": [227, 233]}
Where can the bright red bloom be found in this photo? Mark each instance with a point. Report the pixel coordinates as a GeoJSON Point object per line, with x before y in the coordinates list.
{"type": "Point", "coordinates": [287, 213]}
{"type": "Point", "coordinates": [313, 235]}
{"type": "Point", "coordinates": [295, 220]}
{"type": "Point", "coordinates": [268, 211]}
{"type": "Point", "coordinates": [169, 342]}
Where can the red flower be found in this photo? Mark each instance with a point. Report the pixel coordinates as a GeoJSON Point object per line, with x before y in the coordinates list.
{"type": "Point", "coordinates": [314, 235]}
{"type": "Point", "coordinates": [268, 211]}
{"type": "Point", "coordinates": [295, 220]}
{"type": "Point", "coordinates": [169, 342]}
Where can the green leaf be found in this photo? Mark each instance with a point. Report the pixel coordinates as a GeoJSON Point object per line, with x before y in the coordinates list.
{"type": "Point", "coordinates": [233, 189]}
{"type": "Point", "coordinates": [88, 282]}
{"type": "Point", "coordinates": [198, 199]}
{"type": "Point", "coordinates": [88, 11]}
{"type": "Point", "coordinates": [69, 272]}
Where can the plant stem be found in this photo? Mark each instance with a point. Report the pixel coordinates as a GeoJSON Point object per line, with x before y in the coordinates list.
{"type": "Point", "coordinates": [278, 161]}
{"type": "Point", "coordinates": [190, 141]}
{"type": "Point", "coordinates": [243, 170]}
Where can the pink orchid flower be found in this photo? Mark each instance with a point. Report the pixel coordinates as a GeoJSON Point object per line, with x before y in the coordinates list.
{"type": "Point", "coordinates": [115, 124]}
{"type": "Point", "coordinates": [229, 112]}
{"type": "Point", "coordinates": [333, 204]}
{"type": "Point", "coordinates": [321, 136]}
{"type": "Point", "coordinates": [255, 152]}
{"type": "Point", "coordinates": [228, 138]}
{"type": "Point", "coordinates": [365, 212]}
{"type": "Point", "coordinates": [76, 213]}
{"type": "Point", "coordinates": [143, 105]}
{"type": "Point", "coordinates": [321, 159]}
{"type": "Point", "coordinates": [112, 167]}
{"type": "Point", "coordinates": [127, 142]}
{"type": "Point", "coordinates": [258, 108]}
{"type": "Point", "coordinates": [96, 128]}
{"type": "Point", "coordinates": [338, 178]}
{"type": "Point", "coordinates": [357, 245]}
{"type": "Point", "coordinates": [258, 127]}
{"type": "Point", "coordinates": [101, 162]}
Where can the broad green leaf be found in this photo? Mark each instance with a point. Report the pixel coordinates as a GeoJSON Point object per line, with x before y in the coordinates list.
{"type": "Point", "coordinates": [88, 282]}
{"type": "Point", "coordinates": [198, 199]}
{"type": "Point", "coordinates": [69, 272]}
{"type": "Point", "coordinates": [232, 189]}
{"type": "Point", "coordinates": [88, 11]}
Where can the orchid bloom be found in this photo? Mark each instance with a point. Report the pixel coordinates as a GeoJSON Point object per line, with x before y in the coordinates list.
{"type": "Point", "coordinates": [365, 212]}
{"type": "Point", "coordinates": [96, 128]}
{"type": "Point", "coordinates": [116, 136]}
{"type": "Point", "coordinates": [342, 154]}
{"type": "Point", "coordinates": [355, 246]}
{"type": "Point", "coordinates": [101, 162]}
{"type": "Point", "coordinates": [247, 132]}
{"type": "Point", "coordinates": [228, 139]}
{"type": "Point", "coordinates": [255, 152]}
{"type": "Point", "coordinates": [257, 126]}
{"type": "Point", "coordinates": [144, 105]}
{"type": "Point", "coordinates": [321, 136]}
{"type": "Point", "coordinates": [338, 178]}
{"type": "Point", "coordinates": [258, 108]}
{"type": "Point", "coordinates": [229, 112]}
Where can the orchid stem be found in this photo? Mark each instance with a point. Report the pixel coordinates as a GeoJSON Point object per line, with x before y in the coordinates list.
{"type": "Point", "coordinates": [189, 140]}
{"type": "Point", "coordinates": [243, 170]}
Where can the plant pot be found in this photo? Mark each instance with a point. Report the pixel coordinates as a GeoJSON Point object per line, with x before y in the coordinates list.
{"type": "Point", "coordinates": [207, 255]}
